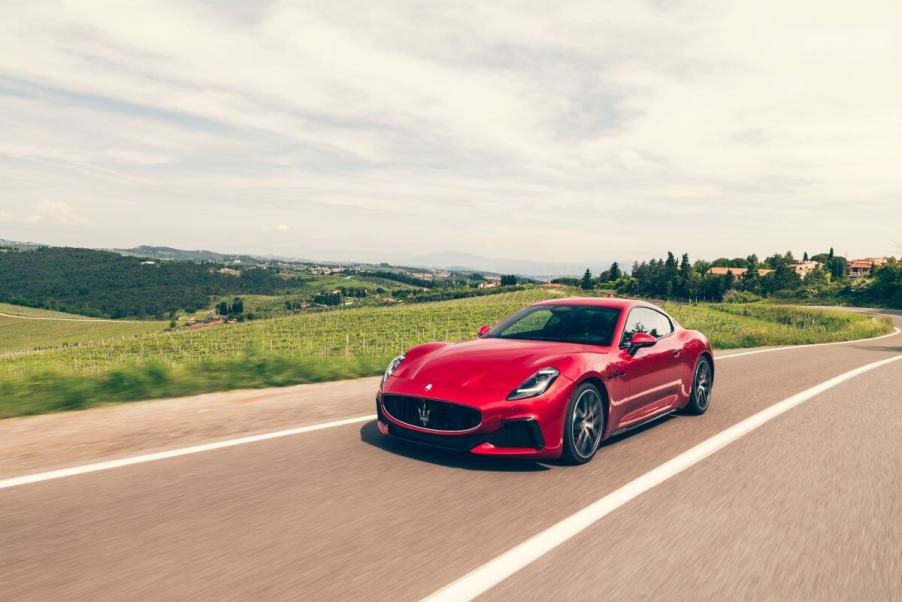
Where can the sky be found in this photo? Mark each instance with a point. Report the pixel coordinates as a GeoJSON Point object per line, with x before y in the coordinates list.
{"type": "Point", "coordinates": [379, 131]}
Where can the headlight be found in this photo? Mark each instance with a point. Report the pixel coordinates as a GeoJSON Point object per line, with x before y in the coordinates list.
{"type": "Point", "coordinates": [536, 384]}
{"type": "Point", "coordinates": [392, 366]}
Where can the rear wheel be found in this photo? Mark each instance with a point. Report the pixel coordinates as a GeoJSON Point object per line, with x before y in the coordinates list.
{"type": "Point", "coordinates": [584, 424]}
{"type": "Point", "coordinates": [702, 384]}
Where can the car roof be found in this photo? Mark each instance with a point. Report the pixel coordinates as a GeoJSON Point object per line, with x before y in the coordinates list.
{"type": "Point", "coordinates": [614, 302]}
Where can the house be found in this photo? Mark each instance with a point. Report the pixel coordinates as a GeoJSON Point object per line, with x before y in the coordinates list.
{"type": "Point", "coordinates": [737, 272]}
{"type": "Point", "coordinates": [803, 268]}
{"type": "Point", "coordinates": [863, 267]}
{"type": "Point", "coordinates": [229, 271]}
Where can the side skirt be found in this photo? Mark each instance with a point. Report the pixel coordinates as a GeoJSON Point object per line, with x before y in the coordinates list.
{"type": "Point", "coordinates": [631, 427]}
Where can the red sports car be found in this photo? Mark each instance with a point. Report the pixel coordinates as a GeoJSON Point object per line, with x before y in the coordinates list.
{"type": "Point", "coordinates": [554, 379]}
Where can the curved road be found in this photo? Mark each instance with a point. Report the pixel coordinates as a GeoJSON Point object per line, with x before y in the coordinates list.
{"type": "Point", "coordinates": [807, 505]}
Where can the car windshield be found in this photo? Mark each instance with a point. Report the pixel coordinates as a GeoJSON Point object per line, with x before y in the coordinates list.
{"type": "Point", "coordinates": [587, 324]}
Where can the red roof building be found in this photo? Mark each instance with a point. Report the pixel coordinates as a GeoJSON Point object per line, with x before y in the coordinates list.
{"type": "Point", "coordinates": [863, 267]}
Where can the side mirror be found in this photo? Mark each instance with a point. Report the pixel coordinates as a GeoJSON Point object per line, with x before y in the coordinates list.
{"type": "Point", "coordinates": [639, 341]}
{"type": "Point", "coordinates": [483, 330]}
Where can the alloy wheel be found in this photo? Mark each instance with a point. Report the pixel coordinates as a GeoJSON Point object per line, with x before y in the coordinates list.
{"type": "Point", "coordinates": [586, 423]}
{"type": "Point", "coordinates": [703, 385]}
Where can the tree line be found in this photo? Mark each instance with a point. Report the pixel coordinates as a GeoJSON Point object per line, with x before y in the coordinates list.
{"type": "Point", "coordinates": [105, 284]}
{"type": "Point", "coordinates": [773, 276]}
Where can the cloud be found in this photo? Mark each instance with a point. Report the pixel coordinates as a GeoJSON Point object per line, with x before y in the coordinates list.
{"type": "Point", "coordinates": [276, 228]}
{"type": "Point", "coordinates": [548, 130]}
{"type": "Point", "coordinates": [53, 212]}
{"type": "Point", "coordinates": [59, 212]}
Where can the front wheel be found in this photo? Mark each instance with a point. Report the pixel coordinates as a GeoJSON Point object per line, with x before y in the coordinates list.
{"type": "Point", "coordinates": [584, 424]}
{"type": "Point", "coordinates": [702, 383]}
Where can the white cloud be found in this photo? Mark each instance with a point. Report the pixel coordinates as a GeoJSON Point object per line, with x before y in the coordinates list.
{"type": "Point", "coordinates": [53, 212]}
{"type": "Point", "coordinates": [59, 212]}
{"type": "Point", "coordinates": [545, 130]}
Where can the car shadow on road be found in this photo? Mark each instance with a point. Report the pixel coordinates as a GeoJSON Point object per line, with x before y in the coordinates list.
{"type": "Point", "coordinates": [639, 429]}
{"type": "Point", "coordinates": [370, 435]}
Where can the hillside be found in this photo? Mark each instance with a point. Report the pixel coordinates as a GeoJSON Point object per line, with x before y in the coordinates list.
{"type": "Point", "coordinates": [26, 329]}
{"type": "Point", "coordinates": [171, 254]}
{"type": "Point", "coordinates": [105, 284]}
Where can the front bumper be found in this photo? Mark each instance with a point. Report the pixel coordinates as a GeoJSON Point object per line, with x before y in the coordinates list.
{"type": "Point", "coordinates": [529, 428]}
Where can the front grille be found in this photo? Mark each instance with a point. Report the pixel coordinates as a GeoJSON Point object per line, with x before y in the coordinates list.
{"type": "Point", "coordinates": [431, 414]}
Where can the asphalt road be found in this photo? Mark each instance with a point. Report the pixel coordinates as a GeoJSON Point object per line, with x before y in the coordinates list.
{"type": "Point", "coordinates": [805, 507]}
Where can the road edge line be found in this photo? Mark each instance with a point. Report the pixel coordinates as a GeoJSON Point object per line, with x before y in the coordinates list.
{"type": "Point", "coordinates": [174, 453]}
{"type": "Point", "coordinates": [895, 331]}
{"type": "Point", "coordinates": [493, 572]}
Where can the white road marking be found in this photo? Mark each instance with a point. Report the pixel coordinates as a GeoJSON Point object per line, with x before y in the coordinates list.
{"type": "Point", "coordinates": [501, 567]}
{"type": "Point", "coordinates": [174, 453]}
{"type": "Point", "coordinates": [883, 336]}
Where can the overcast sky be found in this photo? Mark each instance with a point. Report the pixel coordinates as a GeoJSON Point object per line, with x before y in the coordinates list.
{"type": "Point", "coordinates": [554, 131]}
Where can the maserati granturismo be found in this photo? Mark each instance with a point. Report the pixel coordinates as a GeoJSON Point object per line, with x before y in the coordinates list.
{"type": "Point", "coordinates": [553, 380]}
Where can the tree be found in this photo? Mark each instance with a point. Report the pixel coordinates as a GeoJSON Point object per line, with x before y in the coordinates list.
{"type": "Point", "coordinates": [685, 276]}
{"type": "Point", "coordinates": [586, 283]}
{"type": "Point", "coordinates": [838, 267]}
{"type": "Point", "coordinates": [713, 287]}
{"type": "Point", "coordinates": [237, 306]}
{"type": "Point", "coordinates": [751, 280]}
{"type": "Point", "coordinates": [784, 277]}
{"type": "Point", "coordinates": [614, 272]}
{"type": "Point", "coordinates": [816, 277]}
{"type": "Point", "coordinates": [222, 309]}
{"type": "Point", "coordinates": [508, 280]}
{"type": "Point", "coordinates": [805, 256]}
{"type": "Point", "coordinates": [671, 283]}
{"type": "Point", "coordinates": [830, 254]}
{"type": "Point", "coordinates": [701, 266]}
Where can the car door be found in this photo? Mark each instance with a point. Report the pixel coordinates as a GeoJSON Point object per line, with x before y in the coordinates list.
{"type": "Point", "coordinates": [653, 374]}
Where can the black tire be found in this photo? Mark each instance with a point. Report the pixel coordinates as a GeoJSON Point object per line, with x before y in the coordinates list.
{"type": "Point", "coordinates": [583, 424]}
{"type": "Point", "coordinates": [702, 384]}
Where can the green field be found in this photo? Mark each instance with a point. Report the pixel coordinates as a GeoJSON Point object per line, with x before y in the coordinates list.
{"type": "Point", "coordinates": [317, 346]}
{"type": "Point", "coordinates": [33, 329]}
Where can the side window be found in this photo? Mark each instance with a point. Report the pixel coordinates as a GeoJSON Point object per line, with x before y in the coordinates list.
{"type": "Point", "coordinates": [642, 319]}
{"type": "Point", "coordinates": [636, 322]}
{"type": "Point", "coordinates": [663, 326]}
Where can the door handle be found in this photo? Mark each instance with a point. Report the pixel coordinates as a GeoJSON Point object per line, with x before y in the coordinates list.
{"type": "Point", "coordinates": [675, 352]}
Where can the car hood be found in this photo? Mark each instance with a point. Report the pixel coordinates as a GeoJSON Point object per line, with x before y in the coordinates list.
{"type": "Point", "coordinates": [489, 363]}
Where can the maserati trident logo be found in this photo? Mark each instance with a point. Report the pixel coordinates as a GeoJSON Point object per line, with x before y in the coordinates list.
{"type": "Point", "coordinates": [423, 411]}
{"type": "Point", "coordinates": [428, 387]}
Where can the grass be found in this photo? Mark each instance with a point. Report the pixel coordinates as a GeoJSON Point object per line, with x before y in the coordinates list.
{"type": "Point", "coordinates": [36, 329]}
{"type": "Point", "coordinates": [329, 345]}
{"type": "Point", "coordinates": [731, 325]}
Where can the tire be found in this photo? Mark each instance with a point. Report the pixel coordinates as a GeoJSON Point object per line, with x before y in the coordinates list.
{"type": "Point", "coordinates": [583, 424]}
{"type": "Point", "coordinates": [702, 383]}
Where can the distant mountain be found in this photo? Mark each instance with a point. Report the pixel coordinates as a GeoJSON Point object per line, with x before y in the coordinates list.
{"type": "Point", "coordinates": [183, 255]}
{"type": "Point", "coordinates": [468, 262]}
